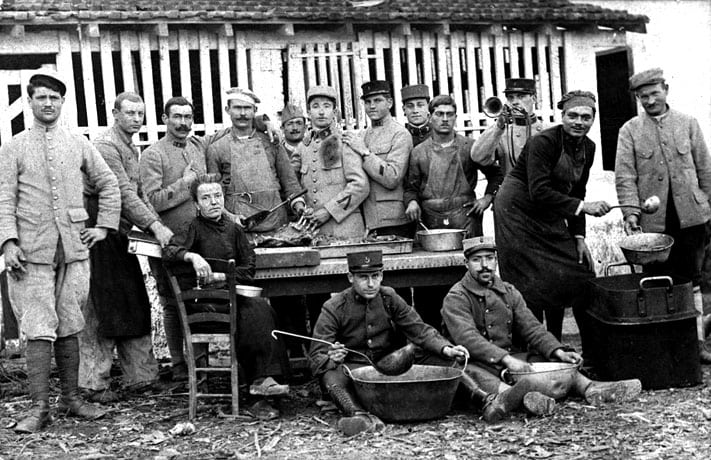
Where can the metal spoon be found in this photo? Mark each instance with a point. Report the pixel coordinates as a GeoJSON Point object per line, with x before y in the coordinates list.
{"type": "Point", "coordinates": [395, 363]}
{"type": "Point", "coordinates": [423, 226]}
{"type": "Point", "coordinates": [650, 205]}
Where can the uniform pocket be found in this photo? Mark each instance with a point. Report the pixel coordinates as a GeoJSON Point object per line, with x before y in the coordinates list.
{"type": "Point", "coordinates": [29, 224]}
{"type": "Point", "coordinates": [78, 215]}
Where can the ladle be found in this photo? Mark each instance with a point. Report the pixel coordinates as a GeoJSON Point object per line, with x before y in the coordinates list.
{"type": "Point", "coordinates": [396, 363]}
{"type": "Point", "coordinates": [423, 226]}
{"type": "Point", "coordinates": [650, 205]}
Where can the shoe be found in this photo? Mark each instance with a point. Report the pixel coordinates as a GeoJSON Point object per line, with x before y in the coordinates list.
{"type": "Point", "coordinates": [620, 391]}
{"type": "Point", "coordinates": [358, 423]}
{"type": "Point", "coordinates": [263, 410]}
{"type": "Point", "coordinates": [539, 404]}
{"type": "Point", "coordinates": [78, 408]}
{"type": "Point", "coordinates": [494, 410]}
{"type": "Point", "coordinates": [37, 419]}
{"type": "Point", "coordinates": [268, 387]}
{"type": "Point", "coordinates": [101, 396]}
{"type": "Point", "coordinates": [705, 352]}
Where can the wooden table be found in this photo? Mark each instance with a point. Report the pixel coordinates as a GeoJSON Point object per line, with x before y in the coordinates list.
{"type": "Point", "coordinates": [419, 268]}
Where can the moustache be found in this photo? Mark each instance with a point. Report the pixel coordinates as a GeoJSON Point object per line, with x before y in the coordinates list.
{"type": "Point", "coordinates": [182, 129]}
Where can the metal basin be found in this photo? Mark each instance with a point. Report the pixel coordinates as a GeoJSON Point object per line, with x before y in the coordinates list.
{"type": "Point", "coordinates": [551, 379]}
{"type": "Point", "coordinates": [248, 291]}
{"type": "Point", "coordinates": [441, 239]}
{"type": "Point", "coordinates": [646, 248]}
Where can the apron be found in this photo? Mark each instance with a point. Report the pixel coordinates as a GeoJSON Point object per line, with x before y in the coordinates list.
{"type": "Point", "coordinates": [253, 186]}
{"type": "Point", "coordinates": [445, 210]}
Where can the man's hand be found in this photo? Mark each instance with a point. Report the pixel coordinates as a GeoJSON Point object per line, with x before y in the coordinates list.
{"type": "Point", "coordinates": [189, 174]}
{"type": "Point", "coordinates": [632, 224]}
{"type": "Point", "coordinates": [337, 353]}
{"type": "Point", "coordinates": [596, 208]}
{"type": "Point", "coordinates": [200, 265]}
{"type": "Point", "coordinates": [460, 352]}
{"type": "Point", "coordinates": [481, 205]}
{"type": "Point", "coordinates": [91, 236]}
{"type": "Point", "coordinates": [584, 256]}
{"type": "Point", "coordinates": [567, 356]}
{"type": "Point", "coordinates": [14, 260]}
{"type": "Point", "coordinates": [354, 140]}
{"type": "Point", "coordinates": [413, 211]}
{"type": "Point", "coordinates": [299, 207]}
{"type": "Point", "coordinates": [319, 217]}
{"type": "Point", "coordinates": [515, 364]}
{"type": "Point", "coordinates": [162, 233]}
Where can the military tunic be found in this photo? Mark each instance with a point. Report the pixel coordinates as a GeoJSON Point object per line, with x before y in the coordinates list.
{"type": "Point", "coordinates": [419, 133]}
{"type": "Point", "coordinates": [333, 174]}
{"type": "Point", "coordinates": [504, 145]}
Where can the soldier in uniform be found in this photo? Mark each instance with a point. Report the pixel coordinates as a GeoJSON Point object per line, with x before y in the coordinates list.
{"type": "Point", "coordinates": [373, 319]}
{"type": "Point", "coordinates": [293, 125]}
{"type": "Point", "coordinates": [385, 148]}
{"type": "Point", "coordinates": [415, 99]}
{"type": "Point", "coordinates": [504, 140]}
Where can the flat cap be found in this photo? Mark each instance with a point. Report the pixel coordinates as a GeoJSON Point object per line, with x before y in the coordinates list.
{"type": "Point", "coordinates": [646, 77]}
{"type": "Point", "coordinates": [520, 85]}
{"type": "Point", "coordinates": [374, 87]}
{"type": "Point", "coordinates": [415, 92]}
{"type": "Point", "coordinates": [472, 245]}
{"type": "Point", "coordinates": [240, 94]}
{"type": "Point", "coordinates": [45, 74]}
{"type": "Point", "coordinates": [321, 91]}
{"type": "Point", "coordinates": [291, 111]}
{"type": "Point", "coordinates": [365, 261]}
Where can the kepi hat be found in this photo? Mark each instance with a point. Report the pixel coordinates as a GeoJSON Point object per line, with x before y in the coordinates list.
{"type": "Point", "coordinates": [415, 92]}
{"type": "Point", "coordinates": [472, 245]}
{"type": "Point", "coordinates": [646, 77]}
{"type": "Point", "coordinates": [520, 85]}
{"type": "Point", "coordinates": [321, 91]}
{"type": "Point", "coordinates": [374, 87]}
{"type": "Point", "coordinates": [365, 261]}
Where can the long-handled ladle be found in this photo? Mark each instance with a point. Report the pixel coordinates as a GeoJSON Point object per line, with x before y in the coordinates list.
{"type": "Point", "coordinates": [650, 205]}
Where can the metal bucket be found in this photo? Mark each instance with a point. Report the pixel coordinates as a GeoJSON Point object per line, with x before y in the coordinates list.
{"type": "Point", "coordinates": [646, 248]}
{"type": "Point", "coordinates": [441, 239]}
{"type": "Point", "coordinates": [551, 378]}
{"type": "Point", "coordinates": [422, 393]}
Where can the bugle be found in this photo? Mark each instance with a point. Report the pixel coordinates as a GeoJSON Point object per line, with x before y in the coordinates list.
{"type": "Point", "coordinates": [495, 107]}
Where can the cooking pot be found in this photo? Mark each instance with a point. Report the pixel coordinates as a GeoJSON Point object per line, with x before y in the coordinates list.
{"type": "Point", "coordinates": [248, 291]}
{"type": "Point", "coordinates": [646, 248]}
{"type": "Point", "coordinates": [441, 239]}
{"type": "Point", "coordinates": [551, 378]}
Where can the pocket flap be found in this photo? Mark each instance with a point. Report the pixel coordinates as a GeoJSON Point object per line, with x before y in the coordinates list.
{"type": "Point", "coordinates": [78, 215]}
{"type": "Point", "coordinates": [700, 196]}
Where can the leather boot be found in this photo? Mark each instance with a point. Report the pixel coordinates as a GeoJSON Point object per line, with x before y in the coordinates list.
{"type": "Point", "coordinates": [66, 353]}
{"type": "Point", "coordinates": [356, 419]}
{"type": "Point", "coordinates": [619, 391]}
{"type": "Point", "coordinates": [38, 356]}
{"type": "Point", "coordinates": [504, 403]}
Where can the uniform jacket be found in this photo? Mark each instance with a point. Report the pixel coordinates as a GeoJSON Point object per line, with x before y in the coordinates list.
{"type": "Point", "coordinates": [42, 175]}
{"type": "Point", "coordinates": [419, 133]}
{"type": "Point", "coordinates": [483, 320]}
{"type": "Point", "coordinates": [333, 173]}
{"type": "Point", "coordinates": [386, 166]}
{"type": "Point", "coordinates": [656, 155]}
{"type": "Point", "coordinates": [121, 155]}
{"type": "Point", "coordinates": [370, 327]}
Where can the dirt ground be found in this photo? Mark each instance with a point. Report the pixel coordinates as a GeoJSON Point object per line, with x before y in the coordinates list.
{"type": "Point", "coordinates": [666, 424]}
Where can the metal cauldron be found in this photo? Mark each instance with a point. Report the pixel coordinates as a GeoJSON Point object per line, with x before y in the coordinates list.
{"type": "Point", "coordinates": [421, 393]}
{"type": "Point", "coordinates": [441, 239]}
{"type": "Point", "coordinates": [551, 378]}
{"type": "Point", "coordinates": [646, 248]}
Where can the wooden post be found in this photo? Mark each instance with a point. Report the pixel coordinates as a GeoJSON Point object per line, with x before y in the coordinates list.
{"type": "Point", "coordinates": [206, 81]}
{"type": "Point", "coordinates": [65, 68]}
{"type": "Point", "coordinates": [186, 89]}
{"type": "Point", "coordinates": [107, 70]}
{"type": "Point", "coordinates": [380, 41]}
{"type": "Point", "coordinates": [87, 69]}
{"type": "Point", "coordinates": [442, 71]}
{"type": "Point", "coordinates": [144, 51]}
{"type": "Point", "coordinates": [472, 42]}
{"type": "Point", "coordinates": [166, 83]}
{"type": "Point", "coordinates": [455, 41]}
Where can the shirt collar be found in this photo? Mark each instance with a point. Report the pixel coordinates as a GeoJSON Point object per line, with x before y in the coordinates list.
{"type": "Point", "coordinates": [180, 143]}
{"type": "Point", "coordinates": [43, 126]}
{"type": "Point", "coordinates": [123, 136]}
{"type": "Point", "coordinates": [473, 286]}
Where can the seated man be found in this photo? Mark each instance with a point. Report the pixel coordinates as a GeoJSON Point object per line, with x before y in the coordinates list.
{"type": "Point", "coordinates": [372, 319]}
{"type": "Point", "coordinates": [481, 312]}
{"type": "Point", "coordinates": [213, 236]}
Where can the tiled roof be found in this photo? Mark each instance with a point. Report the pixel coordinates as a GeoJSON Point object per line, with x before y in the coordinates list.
{"type": "Point", "coordinates": [557, 12]}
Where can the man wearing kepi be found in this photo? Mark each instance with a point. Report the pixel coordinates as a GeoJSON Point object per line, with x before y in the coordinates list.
{"type": "Point", "coordinates": [415, 100]}
{"type": "Point", "coordinates": [662, 152]}
{"type": "Point", "coordinates": [385, 148]}
{"type": "Point", "coordinates": [374, 320]}
{"type": "Point", "coordinates": [46, 243]}
{"type": "Point", "coordinates": [504, 139]}
{"type": "Point", "coordinates": [254, 171]}
{"type": "Point", "coordinates": [481, 312]}
{"type": "Point", "coordinates": [118, 313]}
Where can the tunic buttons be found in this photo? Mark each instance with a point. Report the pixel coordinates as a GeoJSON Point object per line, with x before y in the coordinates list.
{"type": "Point", "coordinates": [489, 326]}
{"type": "Point", "coordinates": [50, 158]}
{"type": "Point", "coordinates": [315, 190]}
{"type": "Point", "coordinates": [314, 179]}
{"type": "Point", "coordinates": [487, 310]}
{"type": "Point", "coordinates": [370, 341]}
{"type": "Point", "coordinates": [370, 326]}
{"type": "Point", "coordinates": [508, 322]}
{"type": "Point", "coordinates": [660, 178]}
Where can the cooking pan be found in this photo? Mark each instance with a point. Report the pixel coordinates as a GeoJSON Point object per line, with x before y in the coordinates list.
{"type": "Point", "coordinates": [441, 239]}
{"type": "Point", "coordinates": [258, 217]}
{"type": "Point", "coordinates": [646, 248]}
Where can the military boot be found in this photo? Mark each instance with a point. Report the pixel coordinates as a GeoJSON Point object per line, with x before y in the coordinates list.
{"type": "Point", "coordinates": [356, 419]}
{"type": "Point", "coordinates": [500, 405]}
{"type": "Point", "coordinates": [66, 353]}
{"type": "Point", "coordinates": [619, 391]}
{"type": "Point", "coordinates": [38, 356]}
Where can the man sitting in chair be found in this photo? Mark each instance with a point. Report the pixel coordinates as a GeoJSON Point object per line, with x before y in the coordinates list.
{"type": "Point", "coordinates": [210, 235]}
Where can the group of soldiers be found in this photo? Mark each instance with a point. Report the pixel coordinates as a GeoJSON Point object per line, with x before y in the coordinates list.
{"type": "Point", "coordinates": [66, 207]}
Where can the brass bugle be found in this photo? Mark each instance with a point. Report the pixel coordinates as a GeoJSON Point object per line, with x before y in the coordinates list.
{"type": "Point", "coordinates": [493, 107]}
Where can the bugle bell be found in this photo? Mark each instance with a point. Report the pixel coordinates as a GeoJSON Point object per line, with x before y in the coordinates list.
{"type": "Point", "coordinates": [493, 107]}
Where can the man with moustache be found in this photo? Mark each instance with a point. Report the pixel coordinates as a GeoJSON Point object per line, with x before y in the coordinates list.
{"type": "Point", "coordinates": [45, 241]}
{"type": "Point", "coordinates": [662, 152]}
{"type": "Point", "coordinates": [415, 100]}
{"type": "Point", "coordinates": [293, 125]}
{"type": "Point", "coordinates": [118, 313]}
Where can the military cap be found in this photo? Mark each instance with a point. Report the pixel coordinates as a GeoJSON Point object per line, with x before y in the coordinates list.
{"type": "Point", "coordinates": [291, 111]}
{"type": "Point", "coordinates": [415, 92]}
{"type": "Point", "coordinates": [45, 74]}
{"type": "Point", "coordinates": [520, 85]}
{"type": "Point", "coordinates": [321, 91]}
{"type": "Point", "coordinates": [365, 261]}
{"type": "Point", "coordinates": [240, 94]}
{"type": "Point", "coordinates": [472, 245]}
{"type": "Point", "coordinates": [647, 77]}
{"type": "Point", "coordinates": [374, 87]}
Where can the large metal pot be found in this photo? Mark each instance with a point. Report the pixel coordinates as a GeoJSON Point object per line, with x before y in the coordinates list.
{"type": "Point", "coordinates": [441, 239]}
{"type": "Point", "coordinates": [551, 379]}
{"type": "Point", "coordinates": [645, 248]}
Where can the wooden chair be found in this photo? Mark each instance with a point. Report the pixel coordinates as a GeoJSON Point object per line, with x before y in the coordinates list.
{"type": "Point", "coordinates": [205, 319]}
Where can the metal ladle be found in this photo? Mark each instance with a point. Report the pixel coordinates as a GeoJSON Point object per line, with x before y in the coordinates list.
{"type": "Point", "coordinates": [650, 205]}
{"type": "Point", "coordinates": [395, 363]}
{"type": "Point", "coordinates": [423, 226]}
